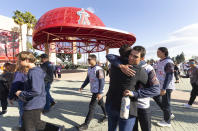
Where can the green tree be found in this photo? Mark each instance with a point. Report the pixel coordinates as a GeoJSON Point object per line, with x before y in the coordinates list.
{"type": "Point", "coordinates": [179, 58]}
{"type": "Point", "coordinates": [30, 20]}
{"type": "Point", "coordinates": [29, 46]}
{"type": "Point", "coordinates": [27, 18]}
{"type": "Point", "coordinates": [19, 19]}
{"type": "Point", "coordinates": [173, 58]}
{"type": "Point", "coordinates": [182, 57]}
{"type": "Point", "coordinates": [79, 55]}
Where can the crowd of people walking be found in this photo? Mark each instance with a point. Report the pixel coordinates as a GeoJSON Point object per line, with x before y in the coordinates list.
{"type": "Point", "coordinates": [132, 81]}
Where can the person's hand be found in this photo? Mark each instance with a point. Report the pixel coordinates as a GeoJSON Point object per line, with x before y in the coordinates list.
{"type": "Point", "coordinates": [163, 92]}
{"type": "Point", "coordinates": [80, 90]}
{"type": "Point", "coordinates": [11, 102]}
{"type": "Point", "coordinates": [17, 93]}
{"type": "Point", "coordinates": [99, 96]}
{"type": "Point", "coordinates": [126, 70]}
{"type": "Point", "coordinates": [128, 93]}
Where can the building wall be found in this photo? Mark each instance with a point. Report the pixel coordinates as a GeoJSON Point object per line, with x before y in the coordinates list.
{"type": "Point", "coordinates": [8, 24]}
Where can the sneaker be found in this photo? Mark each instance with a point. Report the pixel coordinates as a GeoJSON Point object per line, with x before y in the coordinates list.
{"type": "Point", "coordinates": [187, 106]}
{"type": "Point", "coordinates": [62, 128]}
{"type": "Point", "coordinates": [172, 116]}
{"type": "Point", "coordinates": [82, 127]}
{"type": "Point", "coordinates": [163, 124]}
{"type": "Point", "coordinates": [52, 104]}
{"type": "Point", "coordinates": [102, 119]}
{"type": "Point", "coordinates": [45, 111]}
{"type": "Point", "coordinates": [3, 112]}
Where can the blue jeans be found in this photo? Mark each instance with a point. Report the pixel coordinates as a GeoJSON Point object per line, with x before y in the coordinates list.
{"type": "Point", "coordinates": [20, 106]}
{"type": "Point", "coordinates": [114, 119]}
{"type": "Point", "coordinates": [49, 98]}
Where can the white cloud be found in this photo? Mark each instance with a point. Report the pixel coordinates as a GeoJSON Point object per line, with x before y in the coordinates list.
{"type": "Point", "coordinates": [182, 40]}
{"type": "Point", "coordinates": [187, 31]}
{"type": "Point", "coordinates": [91, 9]}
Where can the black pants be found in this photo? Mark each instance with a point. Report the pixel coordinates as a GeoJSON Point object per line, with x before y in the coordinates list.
{"type": "Point", "coordinates": [144, 118]}
{"type": "Point", "coordinates": [59, 75]}
{"type": "Point", "coordinates": [54, 74]}
{"type": "Point", "coordinates": [92, 106]}
{"type": "Point", "coordinates": [32, 122]}
{"type": "Point", "coordinates": [4, 103]}
{"type": "Point", "coordinates": [164, 103]}
{"type": "Point", "coordinates": [176, 74]}
{"type": "Point", "coordinates": [194, 94]}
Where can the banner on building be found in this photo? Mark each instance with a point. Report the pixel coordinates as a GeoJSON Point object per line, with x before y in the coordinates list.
{"type": "Point", "coordinates": [9, 45]}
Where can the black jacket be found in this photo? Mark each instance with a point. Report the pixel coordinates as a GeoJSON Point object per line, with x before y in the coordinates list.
{"type": "Point", "coordinates": [5, 83]}
{"type": "Point", "coordinates": [48, 69]}
{"type": "Point", "coordinates": [119, 82]}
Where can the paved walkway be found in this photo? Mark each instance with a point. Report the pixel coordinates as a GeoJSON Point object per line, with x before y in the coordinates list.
{"type": "Point", "coordinates": [72, 107]}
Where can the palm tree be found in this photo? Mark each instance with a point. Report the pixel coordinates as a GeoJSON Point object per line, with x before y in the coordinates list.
{"type": "Point", "coordinates": [19, 19]}
{"type": "Point", "coordinates": [30, 20]}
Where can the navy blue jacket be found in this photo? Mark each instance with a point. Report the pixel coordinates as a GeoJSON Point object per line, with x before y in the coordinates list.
{"type": "Point", "coordinates": [48, 69]}
{"type": "Point", "coordinates": [17, 84]}
{"type": "Point", "coordinates": [34, 94]}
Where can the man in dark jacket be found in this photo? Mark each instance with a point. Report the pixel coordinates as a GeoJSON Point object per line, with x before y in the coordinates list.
{"type": "Point", "coordinates": [120, 84]}
{"type": "Point", "coordinates": [5, 83]}
{"type": "Point", "coordinates": [48, 69]}
{"type": "Point", "coordinates": [143, 94]}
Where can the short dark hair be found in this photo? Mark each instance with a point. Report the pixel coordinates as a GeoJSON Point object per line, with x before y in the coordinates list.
{"type": "Point", "coordinates": [44, 56]}
{"type": "Point", "coordinates": [125, 50]}
{"type": "Point", "coordinates": [92, 56]}
{"type": "Point", "coordinates": [140, 49]}
{"type": "Point", "coordinates": [192, 60]}
{"type": "Point", "coordinates": [7, 67]}
{"type": "Point", "coordinates": [164, 50]}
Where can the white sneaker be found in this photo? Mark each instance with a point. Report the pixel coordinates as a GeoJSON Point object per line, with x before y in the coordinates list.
{"type": "Point", "coordinates": [172, 116]}
{"type": "Point", "coordinates": [187, 106]}
{"type": "Point", "coordinates": [163, 124]}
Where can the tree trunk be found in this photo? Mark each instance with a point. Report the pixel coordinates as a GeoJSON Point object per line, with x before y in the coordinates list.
{"type": "Point", "coordinates": [27, 39]}
{"type": "Point", "coordinates": [20, 34]}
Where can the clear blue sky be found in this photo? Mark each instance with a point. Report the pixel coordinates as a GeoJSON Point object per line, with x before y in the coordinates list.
{"type": "Point", "coordinates": [149, 20]}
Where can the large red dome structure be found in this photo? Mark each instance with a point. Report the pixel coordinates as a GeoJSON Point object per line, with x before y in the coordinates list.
{"type": "Point", "coordinates": [69, 24]}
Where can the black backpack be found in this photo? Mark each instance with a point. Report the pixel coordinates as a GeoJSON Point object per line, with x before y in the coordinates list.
{"type": "Point", "coordinates": [4, 89]}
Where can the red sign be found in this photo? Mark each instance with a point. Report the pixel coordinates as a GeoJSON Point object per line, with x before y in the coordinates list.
{"type": "Point", "coordinates": [9, 45]}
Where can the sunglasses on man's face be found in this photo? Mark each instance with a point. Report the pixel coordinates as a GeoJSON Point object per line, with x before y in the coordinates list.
{"type": "Point", "coordinates": [192, 63]}
{"type": "Point", "coordinates": [88, 59]}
